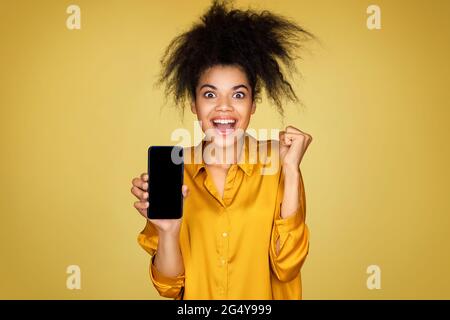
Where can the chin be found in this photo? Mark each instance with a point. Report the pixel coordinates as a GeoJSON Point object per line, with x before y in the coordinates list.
{"type": "Point", "coordinates": [222, 141]}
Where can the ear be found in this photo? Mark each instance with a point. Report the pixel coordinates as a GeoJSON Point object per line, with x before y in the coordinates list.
{"type": "Point", "coordinates": [253, 108]}
{"type": "Point", "coordinates": [193, 108]}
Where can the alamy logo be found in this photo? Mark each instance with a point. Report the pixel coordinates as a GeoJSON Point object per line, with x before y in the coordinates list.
{"type": "Point", "coordinates": [374, 279]}
{"type": "Point", "coordinates": [73, 21]}
{"type": "Point", "coordinates": [266, 154]}
{"type": "Point", "coordinates": [74, 279]}
{"type": "Point", "coordinates": [374, 19]}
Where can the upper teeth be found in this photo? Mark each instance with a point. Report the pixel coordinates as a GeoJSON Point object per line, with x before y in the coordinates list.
{"type": "Point", "coordinates": [224, 121]}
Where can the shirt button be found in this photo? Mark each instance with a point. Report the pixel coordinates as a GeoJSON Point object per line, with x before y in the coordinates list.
{"type": "Point", "coordinates": [223, 261]}
{"type": "Point", "coordinates": [225, 234]}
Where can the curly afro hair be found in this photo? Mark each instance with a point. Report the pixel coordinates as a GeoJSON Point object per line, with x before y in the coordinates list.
{"type": "Point", "coordinates": [261, 43]}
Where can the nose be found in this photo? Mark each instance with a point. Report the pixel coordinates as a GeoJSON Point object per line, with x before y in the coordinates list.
{"type": "Point", "coordinates": [224, 105]}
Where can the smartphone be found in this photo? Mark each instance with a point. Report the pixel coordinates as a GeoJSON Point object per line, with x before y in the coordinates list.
{"type": "Point", "coordinates": [165, 175]}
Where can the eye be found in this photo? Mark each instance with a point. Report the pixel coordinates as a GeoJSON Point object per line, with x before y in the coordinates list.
{"type": "Point", "coordinates": [209, 94]}
{"type": "Point", "coordinates": [239, 95]}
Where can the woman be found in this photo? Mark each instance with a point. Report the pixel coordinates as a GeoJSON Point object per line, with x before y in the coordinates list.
{"type": "Point", "coordinates": [243, 233]}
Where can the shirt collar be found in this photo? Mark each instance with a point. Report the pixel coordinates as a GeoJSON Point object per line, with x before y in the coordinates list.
{"type": "Point", "coordinates": [247, 164]}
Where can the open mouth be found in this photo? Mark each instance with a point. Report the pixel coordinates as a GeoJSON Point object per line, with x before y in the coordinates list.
{"type": "Point", "coordinates": [224, 126]}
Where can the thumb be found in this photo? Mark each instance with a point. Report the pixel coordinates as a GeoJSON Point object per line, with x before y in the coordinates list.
{"type": "Point", "coordinates": [185, 191]}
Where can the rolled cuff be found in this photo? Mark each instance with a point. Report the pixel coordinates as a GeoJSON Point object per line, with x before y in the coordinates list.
{"type": "Point", "coordinates": [169, 287]}
{"type": "Point", "coordinates": [284, 227]}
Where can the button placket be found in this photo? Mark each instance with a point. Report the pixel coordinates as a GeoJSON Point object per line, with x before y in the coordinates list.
{"type": "Point", "coordinates": [222, 237]}
{"type": "Point", "coordinates": [226, 239]}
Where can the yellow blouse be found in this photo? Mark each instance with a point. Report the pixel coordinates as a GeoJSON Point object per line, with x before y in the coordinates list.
{"type": "Point", "coordinates": [229, 244]}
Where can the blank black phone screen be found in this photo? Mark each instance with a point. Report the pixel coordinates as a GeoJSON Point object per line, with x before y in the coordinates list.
{"type": "Point", "coordinates": [165, 171]}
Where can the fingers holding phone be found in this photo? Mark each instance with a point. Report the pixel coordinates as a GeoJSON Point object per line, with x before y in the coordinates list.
{"type": "Point", "coordinates": [165, 185]}
{"type": "Point", "coordinates": [161, 191]}
{"type": "Point", "coordinates": [140, 191]}
{"type": "Point", "coordinates": [170, 226]}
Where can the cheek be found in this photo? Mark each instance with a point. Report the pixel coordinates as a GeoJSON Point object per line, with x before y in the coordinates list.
{"type": "Point", "coordinates": [245, 113]}
{"type": "Point", "coordinates": [203, 116]}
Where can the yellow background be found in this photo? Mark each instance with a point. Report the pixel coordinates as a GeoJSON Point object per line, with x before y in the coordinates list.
{"type": "Point", "coordinates": [78, 111]}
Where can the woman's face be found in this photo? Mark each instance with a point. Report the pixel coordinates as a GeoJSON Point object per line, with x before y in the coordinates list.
{"type": "Point", "coordinates": [223, 103]}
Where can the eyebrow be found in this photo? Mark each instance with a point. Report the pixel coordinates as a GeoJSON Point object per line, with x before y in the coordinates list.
{"type": "Point", "coordinates": [240, 86]}
{"type": "Point", "coordinates": [213, 87]}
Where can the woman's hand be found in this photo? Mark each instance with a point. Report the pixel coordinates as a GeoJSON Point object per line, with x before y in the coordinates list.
{"type": "Point", "coordinates": [139, 189]}
{"type": "Point", "coordinates": [293, 145]}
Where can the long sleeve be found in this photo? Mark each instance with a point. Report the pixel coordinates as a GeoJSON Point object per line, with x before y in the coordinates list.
{"type": "Point", "coordinates": [293, 234]}
{"type": "Point", "coordinates": [169, 287]}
